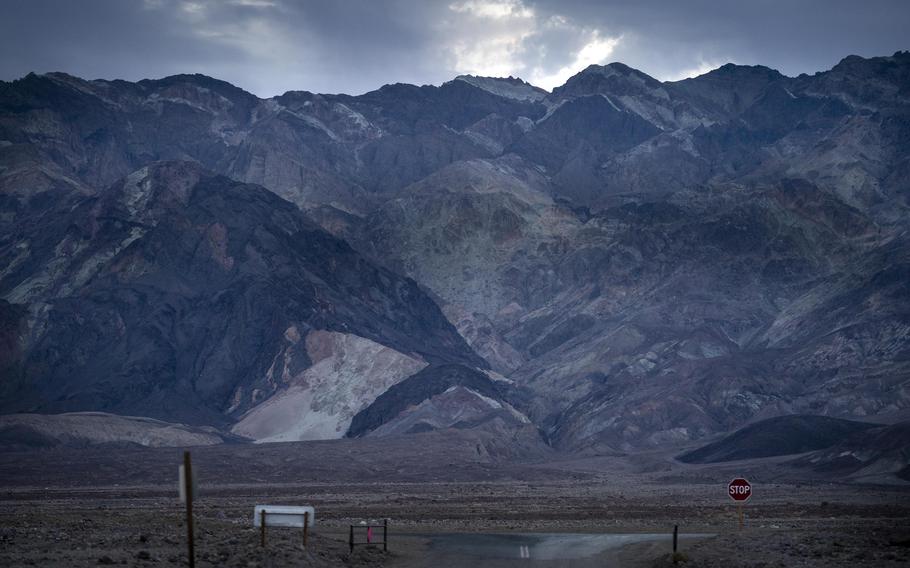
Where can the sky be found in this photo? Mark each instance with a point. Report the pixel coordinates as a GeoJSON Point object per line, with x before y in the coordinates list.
{"type": "Point", "coordinates": [269, 47]}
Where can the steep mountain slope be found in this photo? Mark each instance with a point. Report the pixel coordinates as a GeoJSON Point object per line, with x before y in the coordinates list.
{"type": "Point", "coordinates": [187, 296]}
{"type": "Point", "coordinates": [845, 129]}
{"type": "Point", "coordinates": [665, 320]}
{"type": "Point", "coordinates": [648, 263]}
{"type": "Point", "coordinates": [682, 341]}
{"type": "Point", "coordinates": [609, 129]}
{"type": "Point", "coordinates": [471, 233]}
{"type": "Point", "coordinates": [308, 148]}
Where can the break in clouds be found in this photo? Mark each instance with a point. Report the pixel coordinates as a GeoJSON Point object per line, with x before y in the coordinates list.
{"type": "Point", "coordinates": [272, 46]}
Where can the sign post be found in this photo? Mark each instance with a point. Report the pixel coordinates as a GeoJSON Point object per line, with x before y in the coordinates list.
{"type": "Point", "coordinates": [740, 490]}
{"type": "Point", "coordinates": [262, 529]}
{"type": "Point", "coordinates": [306, 527]}
{"type": "Point", "coordinates": [186, 494]}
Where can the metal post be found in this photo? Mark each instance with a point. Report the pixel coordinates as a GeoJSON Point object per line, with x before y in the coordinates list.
{"type": "Point", "coordinates": [675, 536]}
{"type": "Point", "coordinates": [306, 526]}
{"type": "Point", "coordinates": [262, 528]}
{"type": "Point", "coordinates": [188, 487]}
{"type": "Point", "coordinates": [385, 535]}
{"type": "Point", "coordinates": [351, 540]}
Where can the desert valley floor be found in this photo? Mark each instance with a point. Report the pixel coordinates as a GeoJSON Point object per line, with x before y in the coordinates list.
{"type": "Point", "coordinates": [93, 507]}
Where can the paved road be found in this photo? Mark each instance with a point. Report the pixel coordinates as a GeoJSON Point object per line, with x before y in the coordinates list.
{"type": "Point", "coordinates": [495, 550]}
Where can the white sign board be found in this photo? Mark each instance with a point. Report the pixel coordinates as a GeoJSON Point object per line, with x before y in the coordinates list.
{"type": "Point", "coordinates": [283, 516]}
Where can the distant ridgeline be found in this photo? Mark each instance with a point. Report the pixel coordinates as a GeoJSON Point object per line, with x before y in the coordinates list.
{"type": "Point", "coordinates": [620, 264]}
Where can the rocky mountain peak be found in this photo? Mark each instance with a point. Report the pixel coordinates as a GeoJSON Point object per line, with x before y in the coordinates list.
{"type": "Point", "coordinates": [733, 72]}
{"type": "Point", "coordinates": [609, 69]}
{"type": "Point", "coordinates": [729, 89]}
{"type": "Point", "coordinates": [884, 65]}
{"type": "Point", "coordinates": [197, 80]}
{"type": "Point", "coordinates": [509, 87]}
{"type": "Point", "coordinates": [848, 62]}
{"type": "Point", "coordinates": [611, 79]}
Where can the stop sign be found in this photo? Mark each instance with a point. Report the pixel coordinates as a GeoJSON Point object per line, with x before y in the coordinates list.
{"type": "Point", "coordinates": [740, 489]}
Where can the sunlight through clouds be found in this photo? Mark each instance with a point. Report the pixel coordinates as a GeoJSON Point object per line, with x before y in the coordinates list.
{"type": "Point", "coordinates": [505, 37]}
{"type": "Point", "coordinates": [494, 10]}
{"type": "Point", "coordinates": [595, 52]}
{"type": "Point", "coordinates": [489, 36]}
{"type": "Point", "coordinates": [354, 46]}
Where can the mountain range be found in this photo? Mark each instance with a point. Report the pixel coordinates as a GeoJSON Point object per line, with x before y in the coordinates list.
{"type": "Point", "coordinates": [620, 264]}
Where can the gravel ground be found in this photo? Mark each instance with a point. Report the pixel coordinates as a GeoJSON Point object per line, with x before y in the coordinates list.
{"type": "Point", "coordinates": [62, 509]}
{"type": "Point", "coordinates": [828, 525]}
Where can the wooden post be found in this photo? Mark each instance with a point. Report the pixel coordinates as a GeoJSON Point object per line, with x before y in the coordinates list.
{"type": "Point", "coordinates": [351, 539]}
{"type": "Point", "coordinates": [188, 487]}
{"type": "Point", "coordinates": [675, 537]}
{"type": "Point", "coordinates": [306, 526]}
{"type": "Point", "coordinates": [740, 507]}
{"type": "Point", "coordinates": [385, 535]}
{"type": "Point", "coordinates": [262, 528]}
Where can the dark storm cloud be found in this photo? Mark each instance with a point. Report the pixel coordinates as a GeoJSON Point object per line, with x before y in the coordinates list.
{"type": "Point", "coordinates": [271, 46]}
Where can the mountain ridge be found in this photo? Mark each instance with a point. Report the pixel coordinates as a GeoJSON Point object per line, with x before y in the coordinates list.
{"type": "Point", "coordinates": [159, 282]}
{"type": "Point", "coordinates": [649, 262]}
